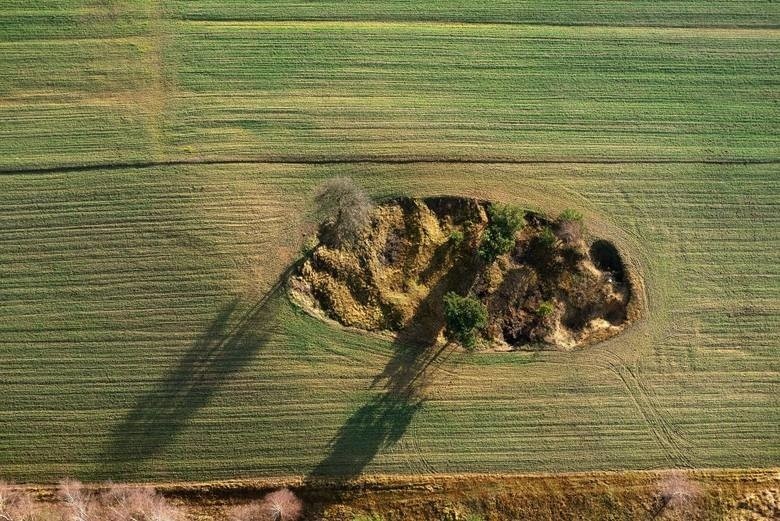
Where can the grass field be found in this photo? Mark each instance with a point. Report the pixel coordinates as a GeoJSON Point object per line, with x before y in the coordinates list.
{"type": "Point", "coordinates": [157, 163]}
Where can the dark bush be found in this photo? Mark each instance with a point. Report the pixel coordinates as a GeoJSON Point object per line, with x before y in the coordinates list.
{"type": "Point", "coordinates": [499, 237]}
{"type": "Point", "coordinates": [464, 316]}
{"type": "Point", "coordinates": [542, 251]}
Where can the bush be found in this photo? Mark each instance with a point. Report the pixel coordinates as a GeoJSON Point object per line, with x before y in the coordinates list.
{"type": "Point", "coordinates": [456, 238]}
{"type": "Point", "coordinates": [281, 505]}
{"type": "Point", "coordinates": [570, 227]}
{"type": "Point", "coordinates": [542, 251]}
{"type": "Point", "coordinates": [464, 316]}
{"type": "Point", "coordinates": [499, 237]}
{"type": "Point", "coordinates": [344, 209]}
{"type": "Point", "coordinates": [547, 239]}
{"type": "Point", "coordinates": [570, 215]}
{"type": "Point", "coordinates": [123, 503]}
{"type": "Point", "coordinates": [545, 308]}
{"type": "Point", "coordinates": [19, 505]}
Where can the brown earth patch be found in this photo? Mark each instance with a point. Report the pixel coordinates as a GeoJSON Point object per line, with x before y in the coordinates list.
{"type": "Point", "coordinates": [557, 287]}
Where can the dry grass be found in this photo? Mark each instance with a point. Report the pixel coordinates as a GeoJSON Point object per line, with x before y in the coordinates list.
{"type": "Point", "coordinates": [115, 503]}
{"type": "Point", "coordinates": [18, 505]}
{"type": "Point", "coordinates": [642, 496]}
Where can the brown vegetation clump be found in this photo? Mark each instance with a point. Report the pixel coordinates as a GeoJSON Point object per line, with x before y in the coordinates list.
{"type": "Point", "coordinates": [280, 505]}
{"type": "Point", "coordinates": [756, 506]}
{"type": "Point", "coordinates": [18, 505]}
{"type": "Point", "coordinates": [121, 503]}
{"type": "Point", "coordinates": [344, 209]}
{"type": "Point", "coordinates": [117, 503]}
{"type": "Point", "coordinates": [678, 497]}
{"type": "Point", "coordinates": [81, 504]}
{"type": "Point", "coordinates": [542, 281]}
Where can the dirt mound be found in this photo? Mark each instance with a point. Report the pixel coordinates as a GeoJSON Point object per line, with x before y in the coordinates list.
{"type": "Point", "coordinates": [554, 287]}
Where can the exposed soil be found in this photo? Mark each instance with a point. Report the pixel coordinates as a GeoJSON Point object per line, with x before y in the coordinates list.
{"type": "Point", "coordinates": [557, 287]}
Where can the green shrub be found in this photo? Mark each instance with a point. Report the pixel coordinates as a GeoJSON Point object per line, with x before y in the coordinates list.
{"type": "Point", "coordinates": [547, 239]}
{"type": "Point", "coordinates": [499, 237]}
{"type": "Point", "coordinates": [545, 308]}
{"type": "Point", "coordinates": [456, 238]}
{"type": "Point", "coordinates": [542, 251]}
{"type": "Point", "coordinates": [464, 317]}
{"type": "Point", "coordinates": [570, 215]}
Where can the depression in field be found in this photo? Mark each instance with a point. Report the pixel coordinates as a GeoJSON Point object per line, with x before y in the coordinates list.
{"type": "Point", "coordinates": [389, 260]}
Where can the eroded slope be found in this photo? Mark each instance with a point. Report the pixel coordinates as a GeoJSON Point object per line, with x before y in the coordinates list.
{"type": "Point", "coordinates": [555, 286]}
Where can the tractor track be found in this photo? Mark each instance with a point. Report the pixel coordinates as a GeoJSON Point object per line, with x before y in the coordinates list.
{"type": "Point", "coordinates": [647, 404]}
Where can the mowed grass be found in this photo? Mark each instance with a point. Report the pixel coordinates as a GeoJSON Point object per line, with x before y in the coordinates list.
{"type": "Point", "coordinates": [142, 336]}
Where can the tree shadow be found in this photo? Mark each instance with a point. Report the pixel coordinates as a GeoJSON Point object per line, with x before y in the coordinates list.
{"type": "Point", "coordinates": [234, 337]}
{"type": "Point", "coordinates": [382, 421]}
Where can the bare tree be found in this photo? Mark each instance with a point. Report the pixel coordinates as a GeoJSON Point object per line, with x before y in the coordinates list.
{"type": "Point", "coordinates": [570, 227]}
{"type": "Point", "coordinates": [570, 232]}
{"type": "Point", "coordinates": [345, 210]}
{"type": "Point", "coordinates": [676, 493]}
{"type": "Point", "coordinates": [123, 503]}
{"type": "Point", "coordinates": [117, 503]}
{"type": "Point", "coordinates": [281, 505]}
{"type": "Point", "coordinates": [79, 503]}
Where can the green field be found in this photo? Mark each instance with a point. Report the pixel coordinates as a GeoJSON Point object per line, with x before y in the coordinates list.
{"type": "Point", "coordinates": [157, 165]}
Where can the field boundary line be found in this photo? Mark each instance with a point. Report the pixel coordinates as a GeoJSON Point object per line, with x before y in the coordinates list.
{"type": "Point", "coordinates": [444, 22]}
{"type": "Point", "coordinates": [378, 161]}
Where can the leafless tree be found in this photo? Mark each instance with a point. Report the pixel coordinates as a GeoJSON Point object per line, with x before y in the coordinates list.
{"type": "Point", "coordinates": [117, 503]}
{"type": "Point", "coordinates": [123, 503]}
{"type": "Point", "coordinates": [282, 505]}
{"type": "Point", "coordinates": [570, 232]}
{"type": "Point", "coordinates": [345, 210]}
{"type": "Point", "coordinates": [676, 493]}
{"type": "Point", "coordinates": [79, 503]}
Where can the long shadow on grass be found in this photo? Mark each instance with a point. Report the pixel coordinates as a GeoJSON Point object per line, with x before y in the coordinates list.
{"type": "Point", "coordinates": [230, 343]}
{"type": "Point", "coordinates": [382, 421]}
